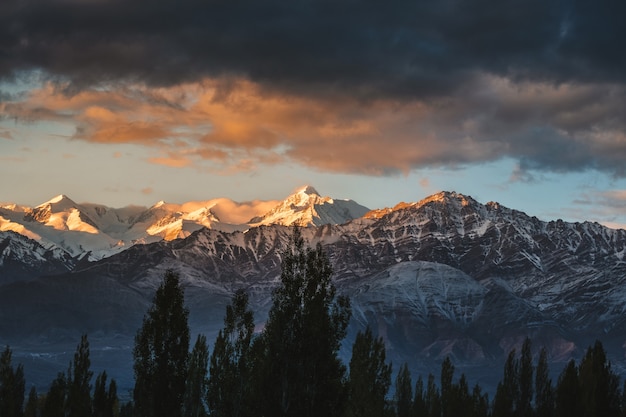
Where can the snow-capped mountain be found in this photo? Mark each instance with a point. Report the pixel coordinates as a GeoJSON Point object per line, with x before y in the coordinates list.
{"type": "Point", "coordinates": [446, 275]}
{"type": "Point", "coordinates": [96, 231]}
{"type": "Point", "coordinates": [22, 258]}
{"type": "Point", "coordinates": [306, 208]}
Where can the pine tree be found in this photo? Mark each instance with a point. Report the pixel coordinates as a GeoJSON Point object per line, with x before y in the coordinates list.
{"type": "Point", "coordinates": [369, 378]}
{"type": "Point", "coordinates": [404, 392]}
{"type": "Point", "coordinates": [161, 353]}
{"type": "Point", "coordinates": [11, 386]}
{"type": "Point", "coordinates": [544, 398]}
{"type": "Point", "coordinates": [79, 381]}
{"type": "Point", "coordinates": [302, 372]}
{"type": "Point", "coordinates": [230, 369]}
{"type": "Point", "coordinates": [195, 388]}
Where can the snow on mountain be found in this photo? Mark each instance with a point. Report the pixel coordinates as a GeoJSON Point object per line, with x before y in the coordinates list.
{"type": "Point", "coordinates": [97, 231]}
{"type": "Point", "coordinates": [22, 258]}
{"type": "Point", "coordinates": [307, 208]}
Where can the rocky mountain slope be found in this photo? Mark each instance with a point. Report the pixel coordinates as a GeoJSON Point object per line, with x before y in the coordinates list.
{"type": "Point", "coordinates": [443, 276]}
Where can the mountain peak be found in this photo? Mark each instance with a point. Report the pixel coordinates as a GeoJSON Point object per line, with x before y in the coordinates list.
{"type": "Point", "coordinates": [306, 207]}
{"type": "Point", "coordinates": [308, 190]}
{"type": "Point", "coordinates": [60, 199]}
{"type": "Point", "coordinates": [448, 197]}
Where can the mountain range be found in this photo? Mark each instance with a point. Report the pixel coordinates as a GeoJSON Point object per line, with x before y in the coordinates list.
{"type": "Point", "coordinates": [444, 276]}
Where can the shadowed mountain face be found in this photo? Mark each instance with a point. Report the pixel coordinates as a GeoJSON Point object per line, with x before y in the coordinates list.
{"type": "Point", "coordinates": [446, 276]}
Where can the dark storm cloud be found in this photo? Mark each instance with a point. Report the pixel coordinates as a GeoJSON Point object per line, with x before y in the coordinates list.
{"type": "Point", "coordinates": [369, 48]}
{"type": "Point", "coordinates": [340, 85]}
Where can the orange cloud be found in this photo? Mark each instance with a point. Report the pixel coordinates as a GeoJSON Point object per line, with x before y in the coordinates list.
{"type": "Point", "coordinates": [6, 135]}
{"type": "Point", "coordinates": [173, 161]}
{"type": "Point", "coordinates": [235, 125]}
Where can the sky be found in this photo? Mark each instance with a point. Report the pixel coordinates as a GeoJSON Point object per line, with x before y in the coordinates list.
{"type": "Point", "coordinates": [123, 102]}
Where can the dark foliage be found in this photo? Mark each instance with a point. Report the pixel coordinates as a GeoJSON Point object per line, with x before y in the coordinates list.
{"type": "Point", "coordinates": [161, 353]}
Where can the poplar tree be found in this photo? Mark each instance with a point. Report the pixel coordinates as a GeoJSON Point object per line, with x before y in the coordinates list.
{"type": "Point", "coordinates": [302, 373]}
{"type": "Point", "coordinates": [447, 392]}
{"type": "Point", "coordinates": [230, 366]}
{"type": "Point", "coordinates": [599, 385]}
{"type": "Point", "coordinates": [525, 376]}
{"type": "Point", "coordinates": [195, 387]}
{"type": "Point", "coordinates": [105, 402]}
{"type": "Point", "coordinates": [31, 408]}
{"type": "Point", "coordinates": [79, 381]}
{"type": "Point", "coordinates": [404, 392]}
{"type": "Point", "coordinates": [419, 402]}
{"type": "Point", "coordinates": [161, 353]}
{"type": "Point", "coordinates": [54, 404]}
{"type": "Point", "coordinates": [568, 400]}
{"type": "Point", "coordinates": [544, 392]}
{"type": "Point", "coordinates": [507, 393]}
{"type": "Point", "coordinates": [433, 397]}
{"type": "Point", "coordinates": [369, 378]}
{"type": "Point", "coordinates": [11, 386]}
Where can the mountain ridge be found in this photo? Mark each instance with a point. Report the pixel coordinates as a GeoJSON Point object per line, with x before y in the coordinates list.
{"type": "Point", "coordinates": [444, 276]}
{"type": "Point", "coordinates": [97, 231]}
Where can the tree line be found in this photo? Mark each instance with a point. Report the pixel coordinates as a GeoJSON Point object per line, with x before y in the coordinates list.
{"type": "Point", "coordinates": [292, 367]}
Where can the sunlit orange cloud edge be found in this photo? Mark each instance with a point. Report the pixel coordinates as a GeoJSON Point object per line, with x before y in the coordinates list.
{"type": "Point", "coordinates": [239, 127]}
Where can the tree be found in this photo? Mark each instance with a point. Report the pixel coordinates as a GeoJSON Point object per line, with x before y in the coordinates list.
{"type": "Point", "coordinates": [195, 388]}
{"type": "Point", "coordinates": [11, 386]}
{"type": "Point", "coordinates": [544, 392]}
{"type": "Point", "coordinates": [369, 377]}
{"type": "Point", "coordinates": [447, 375]}
{"type": "Point", "coordinates": [161, 353]}
{"type": "Point", "coordinates": [507, 393]}
{"type": "Point", "coordinates": [302, 373]}
{"type": "Point", "coordinates": [404, 392]}
{"type": "Point", "coordinates": [461, 399]}
{"type": "Point", "coordinates": [79, 381]}
{"type": "Point", "coordinates": [230, 368]}
{"type": "Point", "coordinates": [525, 377]}
{"type": "Point", "coordinates": [599, 385]}
{"type": "Point", "coordinates": [54, 405]}
{"type": "Point", "coordinates": [105, 402]}
{"type": "Point", "coordinates": [419, 403]}
{"type": "Point", "coordinates": [480, 402]}
{"type": "Point", "coordinates": [31, 408]}
{"type": "Point", "coordinates": [433, 398]}
{"type": "Point", "coordinates": [568, 402]}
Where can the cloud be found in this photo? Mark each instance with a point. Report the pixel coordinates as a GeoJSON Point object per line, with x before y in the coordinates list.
{"type": "Point", "coordinates": [147, 191]}
{"type": "Point", "coordinates": [369, 48]}
{"type": "Point", "coordinates": [172, 161]}
{"type": "Point", "coordinates": [232, 125]}
{"type": "Point", "coordinates": [607, 205]}
{"type": "Point", "coordinates": [369, 87]}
